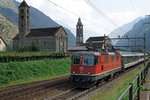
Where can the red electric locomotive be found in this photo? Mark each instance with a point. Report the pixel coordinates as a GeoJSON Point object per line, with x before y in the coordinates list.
{"type": "Point", "coordinates": [88, 68]}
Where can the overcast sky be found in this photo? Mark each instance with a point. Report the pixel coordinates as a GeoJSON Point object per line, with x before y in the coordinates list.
{"type": "Point", "coordinates": [118, 12]}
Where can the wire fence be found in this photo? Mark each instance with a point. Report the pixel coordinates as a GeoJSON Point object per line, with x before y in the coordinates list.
{"type": "Point", "coordinates": [133, 90]}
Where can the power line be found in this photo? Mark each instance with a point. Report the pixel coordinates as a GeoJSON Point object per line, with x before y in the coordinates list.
{"type": "Point", "coordinates": [75, 14]}
{"type": "Point", "coordinates": [133, 6]}
{"type": "Point", "coordinates": [140, 2]}
{"type": "Point", "coordinates": [103, 14]}
{"type": "Point", "coordinates": [141, 11]}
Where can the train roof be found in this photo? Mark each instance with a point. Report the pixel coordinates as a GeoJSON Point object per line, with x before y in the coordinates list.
{"type": "Point", "coordinates": [123, 53]}
{"type": "Point", "coordinates": [95, 53]}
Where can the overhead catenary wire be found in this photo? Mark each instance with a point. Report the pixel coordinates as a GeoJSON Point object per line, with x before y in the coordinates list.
{"type": "Point", "coordinates": [133, 6]}
{"type": "Point", "coordinates": [141, 5]}
{"type": "Point", "coordinates": [103, 14]}
{"type": "Point", "coordinates": [96, 25]}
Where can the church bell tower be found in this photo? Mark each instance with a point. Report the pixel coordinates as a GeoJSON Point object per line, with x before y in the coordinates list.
{"type": "Point", "coordinates": [24, 21]}
{"type": "Point", "coordinates": [79, 33]}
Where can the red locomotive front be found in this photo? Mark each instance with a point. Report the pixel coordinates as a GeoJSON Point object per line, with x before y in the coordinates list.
{"type": "Point", "coordinates": [89, 67]}
{"type": "Point", "coordinates": [84, 64]}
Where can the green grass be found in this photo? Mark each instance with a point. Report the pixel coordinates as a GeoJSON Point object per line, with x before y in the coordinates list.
{"type": "Point", "coordinates": [143, 88]}
{"type": "Point", "coordinates": [118, 88]}
{"type": "Point", "coordinates": [22, 72]}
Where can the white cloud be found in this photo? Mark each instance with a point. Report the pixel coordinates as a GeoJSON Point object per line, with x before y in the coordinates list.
{"type": "Point", "coordinates": [123, 17]}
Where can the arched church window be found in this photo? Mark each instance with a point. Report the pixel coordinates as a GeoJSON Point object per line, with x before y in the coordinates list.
{"type": "Point", "coordinates": [22, 24]}
{"type": "Point", "coordinates": [22, 11]}
{"type": "Point", "coordinates": [22, 17]}
{"type": "Point", "coordinates": [22, 29]}
{"type": "Point", "coordinates": [27, 11]}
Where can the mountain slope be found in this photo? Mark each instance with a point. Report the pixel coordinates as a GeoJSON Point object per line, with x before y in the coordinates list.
{"type": "Point", "coordinates": [138, 30]}
{"type": "Point", "coordinates": [38, 19]}
{"type": "Point", "coordinates": [7, 29]}
{"type": "Point", "coordinates": [123, 29]}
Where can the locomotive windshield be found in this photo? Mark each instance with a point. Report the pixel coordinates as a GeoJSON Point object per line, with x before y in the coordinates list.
{"type": "Point", "coordinates": [76, 60]}
{"type": "Point", "coordinates": [90, 60]}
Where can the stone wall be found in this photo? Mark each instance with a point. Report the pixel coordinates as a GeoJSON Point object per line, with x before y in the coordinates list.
{"type": "Point", "coordinates": [61, 41]}
{"type": "Point", "coordinates": [45, 43]}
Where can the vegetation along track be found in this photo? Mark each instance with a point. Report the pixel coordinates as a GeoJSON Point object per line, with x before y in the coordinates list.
{"type": "Point", "coordinates": [76, 93]}
{"type": "Point", "coordinates": [55, 89]}
{"type": "Point", "coordinates": [36, 90]}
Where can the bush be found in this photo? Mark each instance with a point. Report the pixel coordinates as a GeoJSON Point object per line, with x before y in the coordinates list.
{"type": "Point", "coordinates": [31, 48]}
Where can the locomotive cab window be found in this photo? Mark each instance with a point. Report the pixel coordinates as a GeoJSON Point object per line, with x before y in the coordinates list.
{"type": "Point", "coordinates": [88, 60]}
{"type": "Point", "coordinates": [106, 59]}
{"type": "Point", "coordinates": [76, 60]}
{"type": "Point", "coordinates": [95, 60]}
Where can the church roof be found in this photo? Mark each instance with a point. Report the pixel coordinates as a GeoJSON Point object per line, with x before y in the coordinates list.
{"type": "Point", "coordinates": [101, 38]}
{"type": "Point", "coordinates": [24, 4]}
{"type": "Point", "coordinates": [43, 32]}
{"type": "Point", "coordinates": [39, 32]}
{"type": "Point", "coordinates": [79, 22]}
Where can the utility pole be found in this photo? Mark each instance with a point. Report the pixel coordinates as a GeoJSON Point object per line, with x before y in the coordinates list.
{"type": "Point", "coordinates": [104, 42]}
{"type": "Point", "coordinates": [144, 49]}
{"type": "Point", "coordinates": [135, 45]}
{"type": "Point", "coordinates": [145, 41]}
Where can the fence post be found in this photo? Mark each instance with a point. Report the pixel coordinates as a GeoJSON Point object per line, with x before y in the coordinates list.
{"type": "Point", "coordinates": [138, 86]}
{"type": "Point", "coordinates": [130, 91]}
{"type": "Point", "coordinates": [142, 78]}
{"type": "Point", "coordinates": [144, 74]}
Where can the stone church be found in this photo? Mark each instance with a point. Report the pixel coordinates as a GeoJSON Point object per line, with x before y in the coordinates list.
{"type": "Point", "coordinates": [48, 39]}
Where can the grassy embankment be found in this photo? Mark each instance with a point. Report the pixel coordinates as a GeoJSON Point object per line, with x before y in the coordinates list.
{"type": "Point", "coordinates": [13, 73]}
{"type": "Point", "coordinates": [118, 88]}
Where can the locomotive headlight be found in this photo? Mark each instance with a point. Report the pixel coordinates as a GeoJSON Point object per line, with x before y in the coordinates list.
{"type": "Point", "coordinates": [89, 73]}
{"type": "Point", "coordinates": [74, 72]}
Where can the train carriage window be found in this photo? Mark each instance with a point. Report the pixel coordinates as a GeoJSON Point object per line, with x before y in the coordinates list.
{"type": "Point", "coordinates": [112, 58]}
{"type": "Point", "coordinates": [106, 59]}
{"type": "Point", "coordinates": [76, 60]}
{"type": "Point", "coordinates": [88, 60]}
{"type": "Point", "coordinates": [99, 60]}
{"type": "Point", "coordinates": [117, 58]}
{"type": "Point", "coordinates": [95, 60]}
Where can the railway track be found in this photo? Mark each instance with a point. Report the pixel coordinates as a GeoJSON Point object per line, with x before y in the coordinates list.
{"type": "Point", "coordinates": [76, 93]}
{"type": "Point", "coordinates": [35, 89]}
